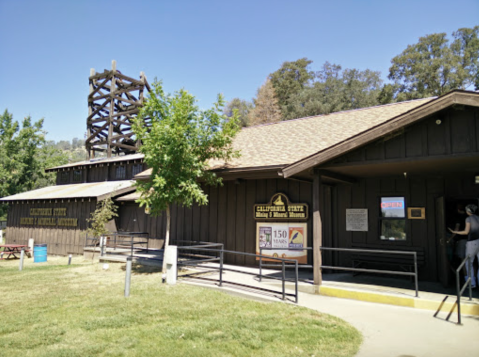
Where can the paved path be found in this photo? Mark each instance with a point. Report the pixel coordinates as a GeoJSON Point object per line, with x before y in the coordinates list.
{"type": "Point", "coordinates": [388, 331]}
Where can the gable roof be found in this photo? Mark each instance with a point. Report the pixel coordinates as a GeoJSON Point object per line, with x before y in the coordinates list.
{"type": "Point", "coordinates": [383, 127]}
{"type": "Point", "coordinates": [296, 145]}
{"type": "Point", "coordinates": [287, 142]}
{"type": "Point", "coordinates": [97, 161]}
{"type": "Point", "coordinates": [98, 190]}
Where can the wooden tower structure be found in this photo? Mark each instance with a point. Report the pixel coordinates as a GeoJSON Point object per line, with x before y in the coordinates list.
{"type": "Point", "coordinates": [113, 102]}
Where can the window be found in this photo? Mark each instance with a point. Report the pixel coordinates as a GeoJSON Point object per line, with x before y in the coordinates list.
{"type": "Point", "coordinates": [392, 218]}
{"type": "Point", "coordinates": [77, 176]}
{"type": "Point", "coordinates": [137, 168]}
{"type": "Point", "coordinates": [64, 177]}
{"type": "Point", "coordinates": [120, 172]}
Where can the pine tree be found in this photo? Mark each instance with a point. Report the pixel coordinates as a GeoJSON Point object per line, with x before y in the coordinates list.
{"type": "Point", "coordinates": [266, 108]}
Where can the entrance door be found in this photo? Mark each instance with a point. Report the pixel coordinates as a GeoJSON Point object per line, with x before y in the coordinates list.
{"type": "Point", "coordinates": [444, 270]}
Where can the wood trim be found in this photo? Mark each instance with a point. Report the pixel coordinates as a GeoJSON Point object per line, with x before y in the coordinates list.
{"type": "Point", "coordinates": [455, 97]}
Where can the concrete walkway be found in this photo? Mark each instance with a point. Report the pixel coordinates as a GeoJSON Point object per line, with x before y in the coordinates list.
{"type": "Point", "coordinates": [388, 331]}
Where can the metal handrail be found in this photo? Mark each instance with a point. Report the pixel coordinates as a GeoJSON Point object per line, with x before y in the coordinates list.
{"type": "Point", "coordinates": [116, 242]}
{"type": "Point", "coordinates": [460, 290]}
{"type": "Point", "coordinates": [221, 268]}
{"type": "Point", "coordinates": [373, 251]}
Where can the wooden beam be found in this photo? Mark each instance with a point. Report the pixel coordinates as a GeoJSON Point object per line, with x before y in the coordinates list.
{"type": "Point", "coordinates": [99, 87]}
{"type": "Point", "coordinates": [317, 232]}
{"type": "Point", "coordinates": [97, 110]}
{"type": "Point", "coordinates": [338, 177]}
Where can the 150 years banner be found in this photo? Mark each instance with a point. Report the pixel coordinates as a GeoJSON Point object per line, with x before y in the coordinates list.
{"type": "Point", "coordinates": [282, 240]}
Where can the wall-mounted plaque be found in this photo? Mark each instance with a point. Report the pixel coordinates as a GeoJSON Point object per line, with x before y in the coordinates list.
{"type": "Point", "coordinates": [416, 213]}
{"type": "Point", "coordinates": [357, 219]}
{"type": "Point", "coordinates": [279, 208]}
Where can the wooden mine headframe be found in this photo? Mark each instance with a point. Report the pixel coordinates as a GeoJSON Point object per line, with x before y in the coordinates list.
{"type": "Point", "coordinates": [114, 101]}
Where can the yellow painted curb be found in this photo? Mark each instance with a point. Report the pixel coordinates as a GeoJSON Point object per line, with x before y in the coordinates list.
{"type": "Point", "coordinates": [467, 308]}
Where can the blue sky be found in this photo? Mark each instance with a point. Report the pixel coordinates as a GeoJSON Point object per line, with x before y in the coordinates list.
{"type": "Point", "coordinates": [207, 47]}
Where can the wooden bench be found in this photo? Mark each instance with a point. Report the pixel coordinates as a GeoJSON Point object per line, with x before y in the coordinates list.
{"type": "Point", "coordinates": [370, 260]}
{"type": "Point", "coordinates": [14, 253]}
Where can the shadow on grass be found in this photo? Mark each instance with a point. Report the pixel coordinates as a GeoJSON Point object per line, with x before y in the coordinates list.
{"type": "Point", "coordinates": [143, 269]}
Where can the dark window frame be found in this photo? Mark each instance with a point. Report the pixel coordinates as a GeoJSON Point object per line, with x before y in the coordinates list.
{"type": "Point", "coordinates": [403, 219]}
{"type": "Point", "coordinates": [120, 172]}
{"type": "Point", "coordinates": [64, 176]}
{"type": "Point", "coordinates": [77, 175]}
{"type": "Point", "coordinates": [136, 169]}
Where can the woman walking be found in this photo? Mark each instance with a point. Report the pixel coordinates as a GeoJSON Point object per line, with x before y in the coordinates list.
{"type": "Point", "coordinates": [472, 245]}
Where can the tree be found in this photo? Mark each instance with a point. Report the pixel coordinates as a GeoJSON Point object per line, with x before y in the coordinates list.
{"type": "Point", "coordinates": [23, 157]}
{"type": "Point", "coordinates": [178, 146]}
{"type": "Point", "coordinates": [266, 108]}
{"type": "Point", "coordinates": [242, 106]}
{"type": "Point", "coordinates": [289, 80]}
{"type": "Point", "coordinates": [433, 66]}
{"type": "Point", "coordinates": [105, 211]}
{"type": "Point", "coordinates": [336, 90]}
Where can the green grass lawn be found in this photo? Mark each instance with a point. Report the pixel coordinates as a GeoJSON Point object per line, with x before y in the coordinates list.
{"type": "Point", "coordinates": [51, 309]}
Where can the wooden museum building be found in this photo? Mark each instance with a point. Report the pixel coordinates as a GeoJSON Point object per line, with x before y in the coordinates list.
{"type": "Point", "coordinates": [389, 177]}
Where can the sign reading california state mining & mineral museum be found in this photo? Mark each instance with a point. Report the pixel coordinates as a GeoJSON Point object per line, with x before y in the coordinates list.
{"type": "Point", "coordinates": [48, 217]}
{"type": "Point", "coordinates": [279, 208]}
{"type": "Point", "coordinates": [282, 240]}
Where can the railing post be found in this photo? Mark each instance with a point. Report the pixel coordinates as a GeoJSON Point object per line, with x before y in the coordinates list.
{"type": "Point", "coordinates": [221, 265]}
{"type": "Point", "coordinates": [297, 278]}
{"type": "Point", "coordinates": [22, 256]}
{"type": "Point", "coordinates": [284, 282]}
{"type": "Point", "coordinates": [128, 276]}
{"type": "Point", "coordinates": [260, 264]}
{"type": "Point", "coordinates": [415, 274]}
{"type": "Point", "coordinates": [131, 244]}
{"type": "Point", "coordinates": [470, 279]}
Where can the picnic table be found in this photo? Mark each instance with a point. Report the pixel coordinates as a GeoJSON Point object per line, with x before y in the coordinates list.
{"type": "Point", "coordinates": [12, 250]}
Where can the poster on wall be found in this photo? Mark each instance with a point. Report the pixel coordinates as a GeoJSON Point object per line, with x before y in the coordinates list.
{"type": "Point", "coordinates": [285, 240]}
{"type": "Point", "coordinates": [357, 219]}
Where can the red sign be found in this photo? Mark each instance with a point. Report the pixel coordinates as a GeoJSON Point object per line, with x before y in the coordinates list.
{"type": "Point", "coordinates": [392, 204]}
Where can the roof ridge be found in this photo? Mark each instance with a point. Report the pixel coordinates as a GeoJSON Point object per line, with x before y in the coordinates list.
{"type": "Point", "coordinates": [342, 111]}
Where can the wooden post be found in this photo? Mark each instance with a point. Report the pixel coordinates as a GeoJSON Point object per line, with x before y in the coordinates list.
{"type": "Point", "coordinates": [88, 148]}
{"type": "Point", "coordinates": [112, 107]}
{"type": "Point", "coordinates": [317, 231]}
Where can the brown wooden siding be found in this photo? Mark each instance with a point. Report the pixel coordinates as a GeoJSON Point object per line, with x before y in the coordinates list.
{"type": "Point", "coordinates": [228, 218]}
{"type": "Point", "coordinates": [59, 240]}
{"type": "Point", "coordinates": [418, 192]}
{"type": "Point", "coordinates": [457, 133]}
{"type": "Point", "coordinates": [99, 173]}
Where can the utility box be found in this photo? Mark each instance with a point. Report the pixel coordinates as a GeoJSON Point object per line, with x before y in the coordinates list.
{"type": "Point", "coordinates": [171, 258]}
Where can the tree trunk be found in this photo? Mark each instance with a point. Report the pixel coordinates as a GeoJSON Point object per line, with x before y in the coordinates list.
{"type": "Point", "coordinates": [167, 241]}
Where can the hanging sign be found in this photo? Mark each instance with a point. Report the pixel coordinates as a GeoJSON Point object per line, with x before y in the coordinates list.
{"type": "Point", "coordinates": [279, 208]}
{"type": "Point", "coordinates": [283, 240]}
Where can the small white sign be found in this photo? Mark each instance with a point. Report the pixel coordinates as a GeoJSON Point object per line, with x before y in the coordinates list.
{"type": "Point", "coordinates": [357, 219]}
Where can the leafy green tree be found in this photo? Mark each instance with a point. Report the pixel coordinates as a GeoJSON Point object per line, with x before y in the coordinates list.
{"type": "Point", "coordinates": [243, 107]}
{"type": "Point", "coordinates": [289, 80]}
{"type": "Point", "coordinates": [433, 66]}
{"type": "Point", "coordinates": [105, 211]}
{"type": "Point", "coordinates": [266, 108]}
{"type": "Point", "coordinates": [336, 90]}
{"type": "Point", "coordinates": [178, 146]}
{"type": "Point", "coordinates": [23, 156]}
